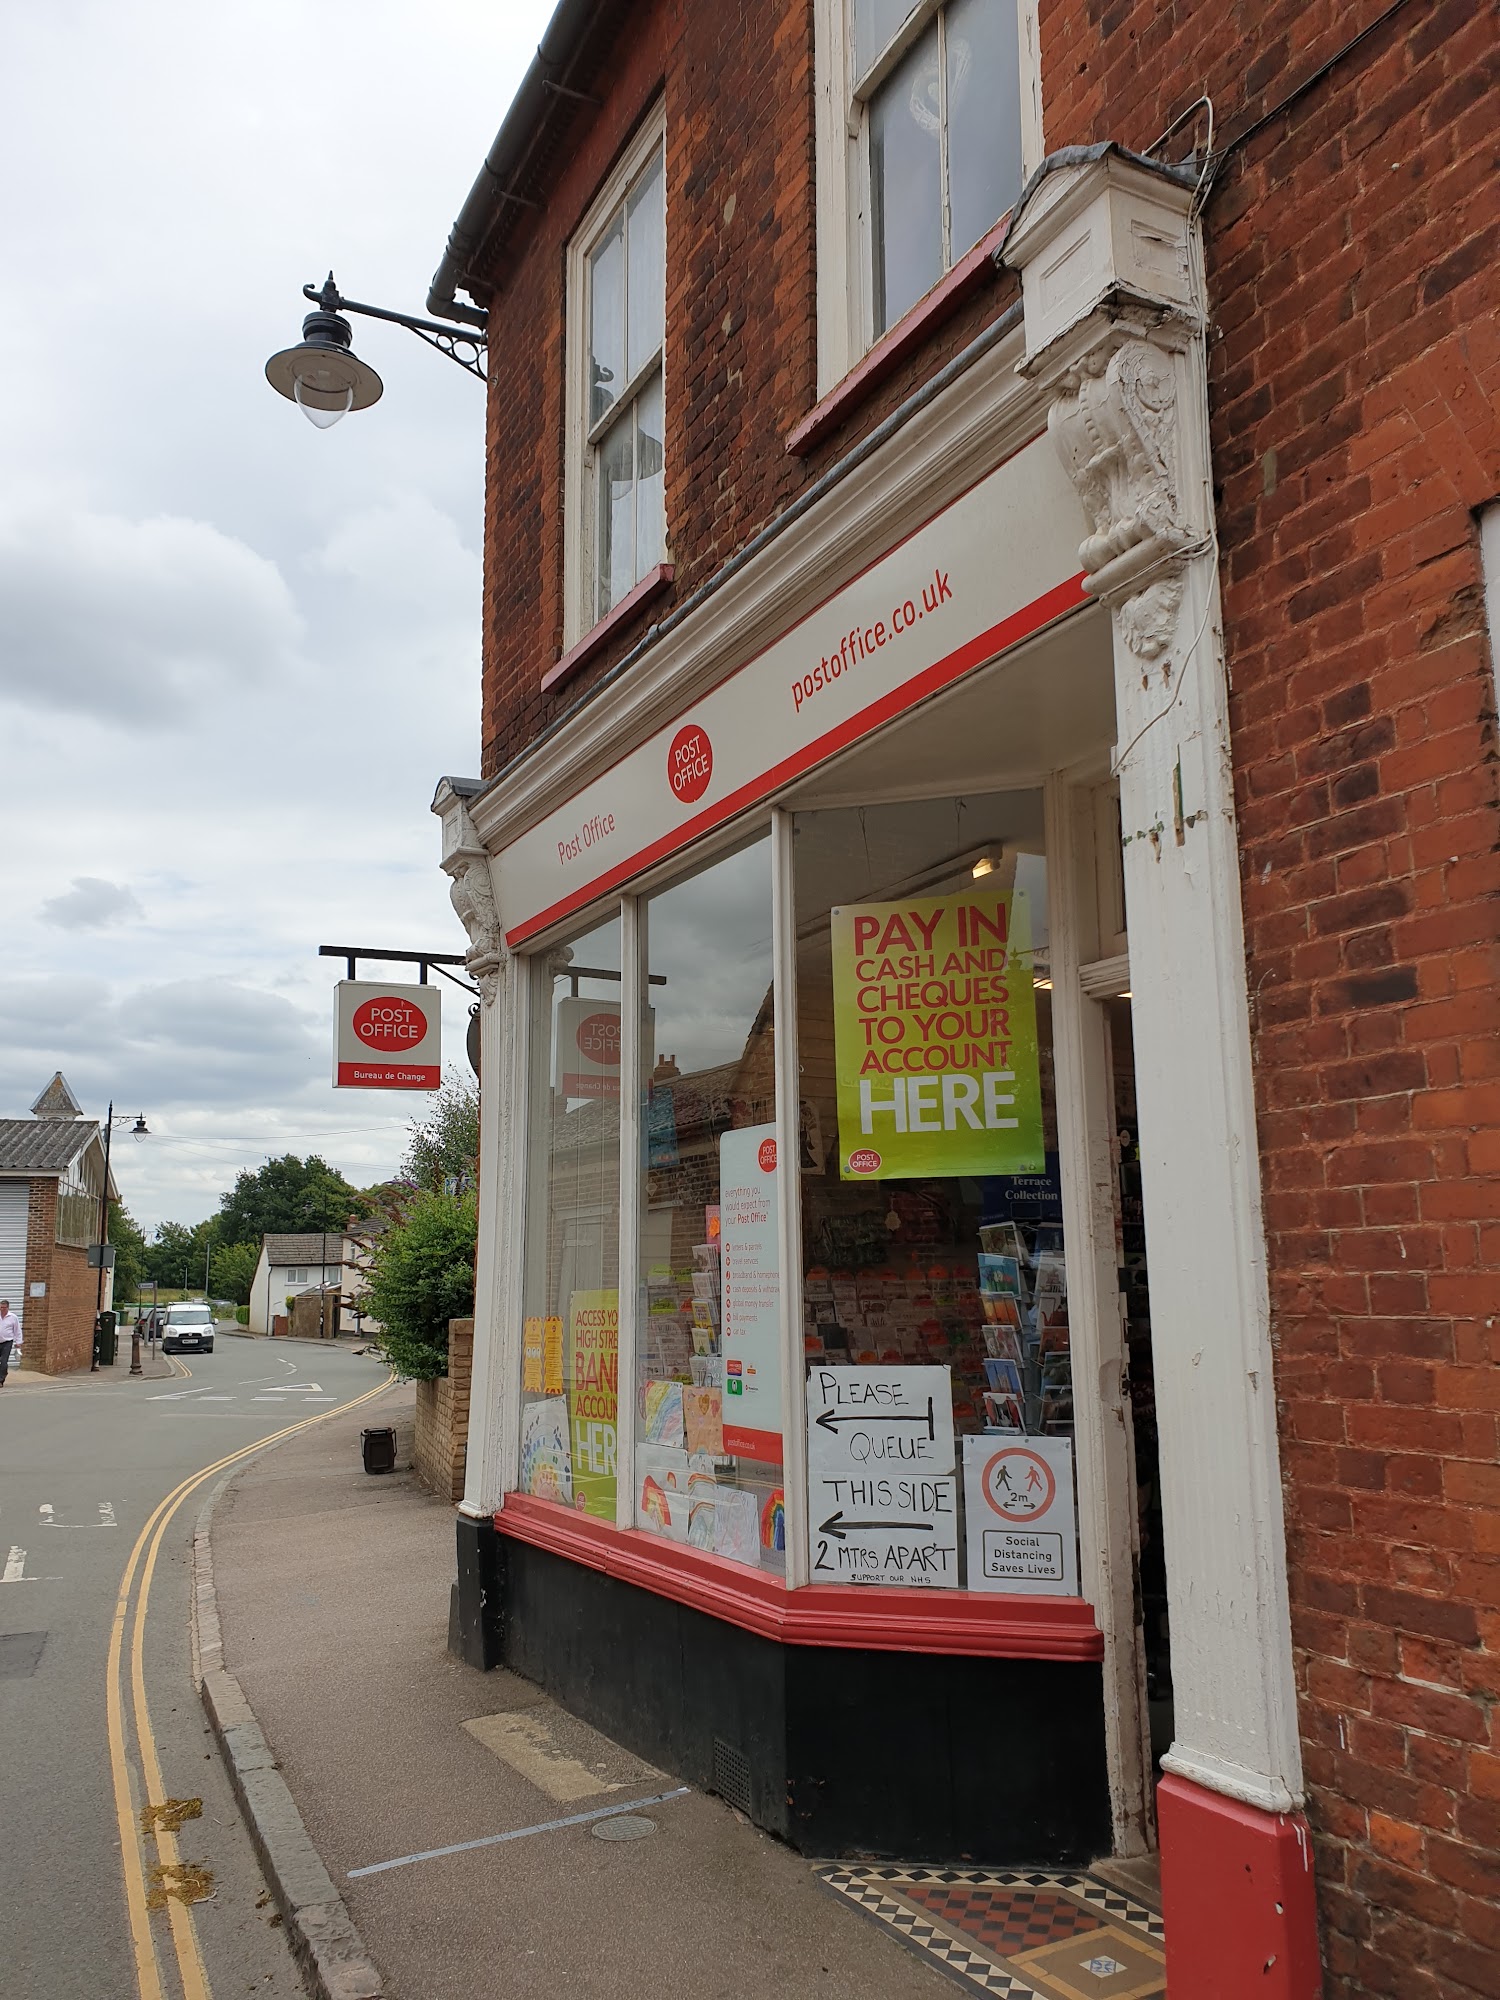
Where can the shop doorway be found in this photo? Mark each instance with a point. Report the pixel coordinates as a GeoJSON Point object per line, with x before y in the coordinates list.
{"type": "Point", "coordinates": [1140, 1382]}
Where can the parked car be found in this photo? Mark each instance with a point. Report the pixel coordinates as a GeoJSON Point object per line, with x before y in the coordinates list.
{"type": "Point", "coordinates": [187, 1327]}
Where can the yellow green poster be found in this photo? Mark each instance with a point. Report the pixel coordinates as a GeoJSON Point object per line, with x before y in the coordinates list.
{"type": "Point", "coordinates": [935, 1038]}
{"type": "Point", "coordinates": [594, 1398]}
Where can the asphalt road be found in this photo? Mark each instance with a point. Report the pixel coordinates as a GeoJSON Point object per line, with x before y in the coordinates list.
{"type": "Point", "coordinates": [99, 1713]}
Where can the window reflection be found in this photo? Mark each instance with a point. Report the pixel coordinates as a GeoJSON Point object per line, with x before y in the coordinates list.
{"type": "Point", "coordinates": [708, 1397]}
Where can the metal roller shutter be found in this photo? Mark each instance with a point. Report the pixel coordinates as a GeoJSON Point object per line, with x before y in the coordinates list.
{"type": "Point", "coordinates": [15, 1198]}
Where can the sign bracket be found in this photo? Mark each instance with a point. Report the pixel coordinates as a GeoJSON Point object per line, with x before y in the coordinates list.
{"type": "Point", "coordinates": [436, 960]}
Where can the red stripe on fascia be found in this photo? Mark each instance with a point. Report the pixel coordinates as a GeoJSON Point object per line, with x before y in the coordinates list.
{"type": "Point", "coordinates": [976, 652]}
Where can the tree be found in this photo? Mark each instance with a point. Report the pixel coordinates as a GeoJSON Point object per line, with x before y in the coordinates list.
{"type": "Point", "coordinates": [422, 1275]}
{"type": "Point", "coordinates": [286, 1196]}
{"type": "Point", "coordinates": [130, 1252]}
{"type": "Point", "coordinates": [231, 1271]}
{"type": "Point", "coordinates": [444, 1145]}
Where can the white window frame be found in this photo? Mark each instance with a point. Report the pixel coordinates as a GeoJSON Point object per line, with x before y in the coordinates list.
{"type": "Point", "coordinates": [579, 527]}
{"type": "Point", "coordinates": [845, 275]}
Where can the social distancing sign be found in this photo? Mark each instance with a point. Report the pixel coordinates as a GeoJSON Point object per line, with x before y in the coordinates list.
{"type": "Point", "coordinates": [1021, 1518]}
{"type": "Point", "coordinates": [386, 1037]}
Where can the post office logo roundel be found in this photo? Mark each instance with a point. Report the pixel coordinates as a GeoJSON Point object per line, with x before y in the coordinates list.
{"type": "Point", "coordinates": [690, 763]}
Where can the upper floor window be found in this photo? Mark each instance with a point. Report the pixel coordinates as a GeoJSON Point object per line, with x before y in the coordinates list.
{"type": "Point", "coordinates": [929, 122]}
{"type": "Point", "coordinates": [617, 301]}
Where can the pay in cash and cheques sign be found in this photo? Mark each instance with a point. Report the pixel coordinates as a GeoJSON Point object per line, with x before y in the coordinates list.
{"type": "Point", "coordinates": [386, 1037]}
{"type": "Point", "coordinates": [1021, 1518]}
{"type": "Point", "coordinates": [882, 1495]}
{"type": "Point", "coordinates": [934, 1024]}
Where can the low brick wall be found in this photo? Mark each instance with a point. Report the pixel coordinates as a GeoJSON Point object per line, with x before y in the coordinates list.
{"type": "Point", "coordinates": [443, 1418]}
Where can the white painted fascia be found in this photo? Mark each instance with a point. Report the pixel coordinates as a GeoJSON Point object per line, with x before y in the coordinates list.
{"type": "Point", "coordinates": [983, 418]}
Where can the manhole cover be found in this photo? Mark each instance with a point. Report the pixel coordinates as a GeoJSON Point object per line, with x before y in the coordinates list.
{"type": "Point", "coordinates": [624, 1826]}
{"type": "Point", "coordinates": [19, 1653]}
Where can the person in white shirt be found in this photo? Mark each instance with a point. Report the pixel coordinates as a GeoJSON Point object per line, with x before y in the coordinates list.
{"type": "Point", "coordinates": [10, 1339]}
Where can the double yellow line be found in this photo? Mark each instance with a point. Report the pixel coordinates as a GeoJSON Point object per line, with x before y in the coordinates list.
{"type": "Point", "coordinates": [194, 1980]}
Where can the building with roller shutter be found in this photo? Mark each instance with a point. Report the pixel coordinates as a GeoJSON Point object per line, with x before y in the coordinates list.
{"type": "Point", "coordinates": [51, 1175]}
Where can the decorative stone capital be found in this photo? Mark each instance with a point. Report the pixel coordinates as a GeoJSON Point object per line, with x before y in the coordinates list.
{"type": "Point", "coordinates": [1114, 424]}
{"type": "Point", "coordinates": [1106, 245]}
{"type": "Point", "coordinates": [472, 893]}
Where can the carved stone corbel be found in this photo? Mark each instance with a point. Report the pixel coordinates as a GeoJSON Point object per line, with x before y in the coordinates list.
{"type": "Point", "coordinates": [1113, 422]}
{"type": "Point", "coordinates": [472, 894]}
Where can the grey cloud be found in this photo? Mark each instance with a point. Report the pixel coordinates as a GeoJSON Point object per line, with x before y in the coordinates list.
{"type": "Point", "coordinates": [139, 619]}
{"type": "Point", "coordinates": [204, 1043]}
{"type": "Point", "coordinates": [91, 904]}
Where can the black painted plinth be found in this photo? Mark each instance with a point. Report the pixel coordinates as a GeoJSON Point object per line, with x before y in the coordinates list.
{"type": "Point", "coordinates": [912, 1756]}
{"type": "Point", "coordinates": [477, 1601]}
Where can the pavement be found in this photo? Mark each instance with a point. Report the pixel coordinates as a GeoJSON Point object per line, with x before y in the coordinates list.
{"type": "Point", "coordinates": [99, 1713]}
{"type": "Point", "coordinates": [331, 1588]}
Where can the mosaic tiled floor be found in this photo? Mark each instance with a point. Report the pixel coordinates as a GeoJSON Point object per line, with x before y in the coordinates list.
{"type": "Point", "coordinates": [1031, 1935]}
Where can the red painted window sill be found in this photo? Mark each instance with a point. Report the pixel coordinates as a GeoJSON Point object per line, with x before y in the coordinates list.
{"type": "Point", "coordinates": [979, 1623]}
{"type": "Point", "coordinates": [893, 346]}
{"type": "Point", "coordinates": [651, 585]}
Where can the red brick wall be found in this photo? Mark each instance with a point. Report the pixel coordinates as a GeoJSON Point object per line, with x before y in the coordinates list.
{"type": "Point", "coordinates": [59, 1326]}
{"type": "Point", "coordinates": [1352, 251]}
{"type": "Point", "coordinates": [741, 331]}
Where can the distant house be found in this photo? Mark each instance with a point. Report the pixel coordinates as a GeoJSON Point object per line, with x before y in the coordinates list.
{"type": "Point", "coordinates": [360, 1239]}
{"type": "Point", "coordinates": [51, 1178]}
{"type": "Point", "coordinates": [289, 1265]}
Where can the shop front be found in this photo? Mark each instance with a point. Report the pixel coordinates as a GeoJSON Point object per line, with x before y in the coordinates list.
{"type": "Point", "coordinates": [831, 1101]}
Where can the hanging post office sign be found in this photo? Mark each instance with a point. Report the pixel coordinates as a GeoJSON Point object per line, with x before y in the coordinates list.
{"type": "Point", "coordinates": [587, 1055]}
{"type": "Point", "coordinates": [934, 1023]}
{"type": "Point", "coordinates": [386, 1037]}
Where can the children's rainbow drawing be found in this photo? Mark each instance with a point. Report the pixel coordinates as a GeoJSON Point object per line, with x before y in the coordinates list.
{"type": "Point", "coordinates": [773, 1520]}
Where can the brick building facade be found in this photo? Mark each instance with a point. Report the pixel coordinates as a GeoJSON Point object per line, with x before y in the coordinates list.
{"type": "Point", "coordinates": [1336, 176]}
{"type": "Point", "coordinates": [52, 1170]}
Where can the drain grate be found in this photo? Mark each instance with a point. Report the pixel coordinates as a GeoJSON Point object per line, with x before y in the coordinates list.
{"type": "Point", "coordinates": [19, 1654]}
{"type": "Point", "coordinates": [731, 1774]}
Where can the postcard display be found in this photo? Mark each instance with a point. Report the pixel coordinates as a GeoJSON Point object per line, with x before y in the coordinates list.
{"type": "Point", "coordinates": [708, 1460]}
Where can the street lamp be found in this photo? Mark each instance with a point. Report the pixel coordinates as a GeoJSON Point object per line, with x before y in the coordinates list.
{"type": "Point", "coordinates": [139, 1130]}
{"type": "Point", "coordinates": [326, 379]}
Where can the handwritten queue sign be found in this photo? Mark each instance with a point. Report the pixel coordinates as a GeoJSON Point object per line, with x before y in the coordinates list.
{"type": "Point", "coordinates": [881, 1485]}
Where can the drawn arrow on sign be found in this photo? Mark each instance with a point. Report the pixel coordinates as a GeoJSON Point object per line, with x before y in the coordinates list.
{"type": "Point", "coordinates": [831, 1422]}
{"type": "Point", "coordinates": [838, 1527]}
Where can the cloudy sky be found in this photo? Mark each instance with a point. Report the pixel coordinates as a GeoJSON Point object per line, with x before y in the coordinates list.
{"type": "Point", "coordinates": [236, 653]}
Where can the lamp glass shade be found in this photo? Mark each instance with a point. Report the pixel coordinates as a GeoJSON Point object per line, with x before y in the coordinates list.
{"type": "Point", "coordinates": [324, 380]}
{"type": "Point", "coordinates": [321, 406]}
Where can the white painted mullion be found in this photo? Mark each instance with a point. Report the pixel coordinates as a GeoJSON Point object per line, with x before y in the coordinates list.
{"type": "Point", "coordinates": [789, 1194]}
{"type": "Point", "coordinates": [494, 1467]}
{"type": "Point", "coordinates": [632, 1169]}
{"type": "Point", "coordinates": [1103, 1440]}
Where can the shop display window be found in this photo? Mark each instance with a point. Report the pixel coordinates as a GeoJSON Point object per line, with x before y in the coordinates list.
{"type": "Point", "coordinates": [935, 1303]}
{"type": "Point", "coordinates": [570, 1338]}
{"type": "Point", "coordinates": [708, 1442]}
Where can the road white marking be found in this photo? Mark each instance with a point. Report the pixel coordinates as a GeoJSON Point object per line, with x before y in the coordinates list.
{"type": "Point", "coordinates": [296, 1389]}
{"type": "Point", "coordinates": [106, 1517]}
{"type": "Point", "coordinates": [218, 1399]}
{"type": "Point", "coordinates": [15, 1570]}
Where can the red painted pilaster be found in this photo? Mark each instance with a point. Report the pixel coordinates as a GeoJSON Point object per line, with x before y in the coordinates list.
{"type": "Point", "coordinates": [1237, 1898]}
